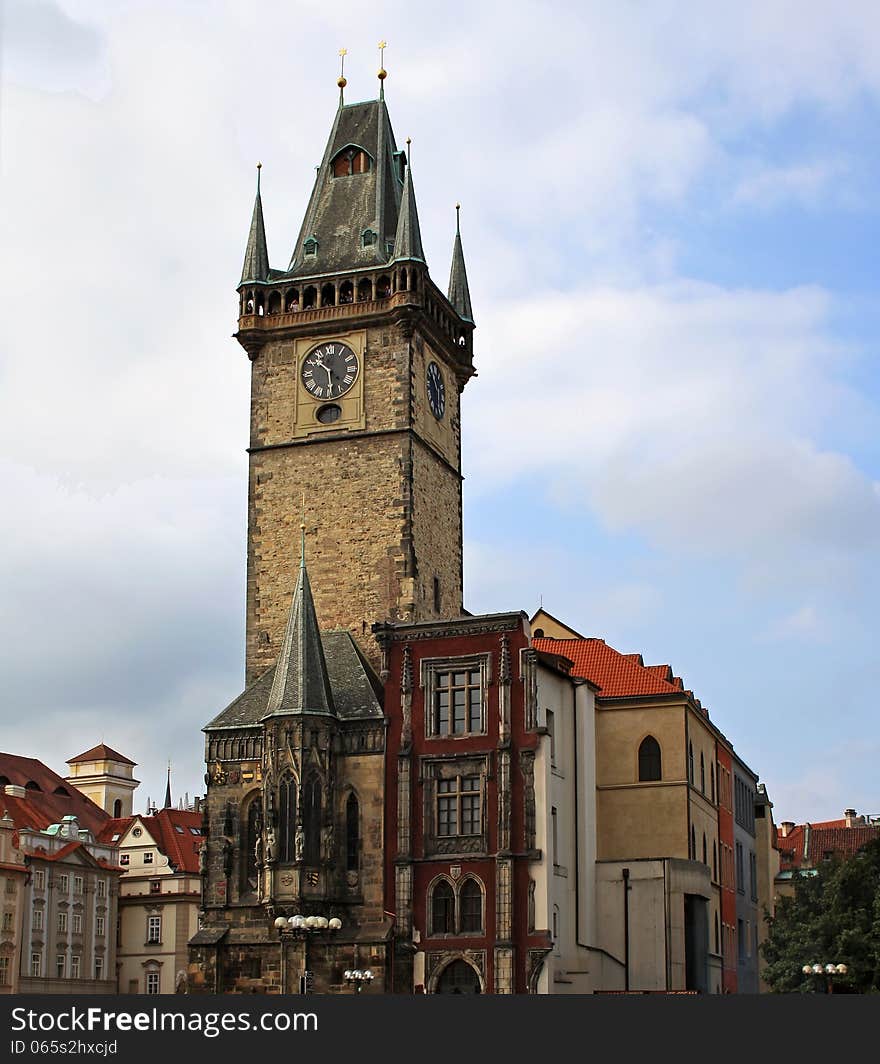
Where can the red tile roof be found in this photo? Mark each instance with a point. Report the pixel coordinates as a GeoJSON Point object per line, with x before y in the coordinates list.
{"type": "Point", "coordinates": [617, 675]}
{"type": "Point", "coordinates": [101, 752]}
{"type": "Point", "coordinates": [49, 797]}
{"type": "Point", "coordinates": [807, 845]}
{"type": "Point", "coordinates": [180, 847]}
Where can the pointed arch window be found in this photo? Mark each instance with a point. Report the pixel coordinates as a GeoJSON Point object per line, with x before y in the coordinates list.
{"type": "Point", "coordinates": [250, 832]}
{"type": "Point", "coordinates": [287, 818]}
{"type": "Point", "coordinates": [312, 821]}
{"type": "Point", "coordinates": [369, 238]}
{"type": "Point", "coordinates": [650, 766]}
{"type": "Point", "coordinates": [702, 773]}
{"type": "Point", "coordinates": [352, 833]}
{"type": "Point", "coordinates": [351, 160]}
{"type": "Point", "coordinates": [470, 908]}
{"type": "Point", "coordinates": [442, 909]}
{"type": "Point", "coordinates": [310, 246]}
{"type": "Point", "coordinates": [691, 763]}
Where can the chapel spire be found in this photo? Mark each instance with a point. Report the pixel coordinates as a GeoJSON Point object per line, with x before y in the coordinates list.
{"type": "Point", "coordinates": [301, 684]}
{"type": "Point", "coordinates": [256, 257]}
{"type": "Point", "coordinates": [408, 239]}
{"type": "Point", "coordinates": [459, 294]}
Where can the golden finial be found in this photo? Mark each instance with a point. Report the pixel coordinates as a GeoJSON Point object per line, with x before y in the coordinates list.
{"type": "Point", "coordinates": [408, 142]}
{"type": "Point", "coordinates": [343, 52]}
{"type": "Point", "coordinates": [383, 73]}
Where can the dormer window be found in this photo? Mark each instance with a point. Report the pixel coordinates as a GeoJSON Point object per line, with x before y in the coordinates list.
{"type": "Point", "coordinates": [369, 238]}
{"type": "Point", "coordinates": [351, 160]}
{"type": "Point", "coordinates": [310, 247]}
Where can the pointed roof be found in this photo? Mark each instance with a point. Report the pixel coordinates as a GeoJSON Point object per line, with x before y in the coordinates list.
{"type": "Point", "coordinates": [300, 683]}
{"type": "Point", "coordinates": [256, 256]}
{"type": "Point", "coordinates": [408, 239]}
{"type": "Point", "coordinates": [459, 293]}
{"type": "Point", "coordinates": [101, 752]}
{"type": "Point", "coordinates": [342, 208]}
{"type": "Point", "coordinates": [167, 804]}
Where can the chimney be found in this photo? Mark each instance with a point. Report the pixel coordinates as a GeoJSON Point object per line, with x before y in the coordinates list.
{"type": "Point", "coordinates": [851, 819]}
{"type": "Point", "coordinates": [15, 791]}
{"type": "Point", "coordinates": [786, 828]}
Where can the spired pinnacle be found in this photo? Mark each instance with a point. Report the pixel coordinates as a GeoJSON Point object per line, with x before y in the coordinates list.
{"type": "Point", "coordinates": [383, 73]}
{"type": "Point", "coordinates": [340, 81]}
{"type": "Point", "coordinates": [459, 293]}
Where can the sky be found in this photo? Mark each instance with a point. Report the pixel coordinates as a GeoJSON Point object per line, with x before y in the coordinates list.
{"type": "Point", "coordinates": [670, 222]}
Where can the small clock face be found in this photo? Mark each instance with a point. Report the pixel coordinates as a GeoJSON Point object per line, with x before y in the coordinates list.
{"type": "Point", "coordinates": [329, 370]}
{"type": "Point", "coordinates": [436, 390]}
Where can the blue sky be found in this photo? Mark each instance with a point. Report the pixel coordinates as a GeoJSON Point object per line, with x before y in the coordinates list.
{"type": "Point", "coordinates": [670, 222]}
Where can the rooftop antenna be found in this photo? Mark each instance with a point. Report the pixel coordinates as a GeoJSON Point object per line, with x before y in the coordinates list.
{"type": "Point", "coordinates": [383, 73]}
{"type": "Point", "coordinates": [340, 81]}
{"type": "Point", "coordinates": [302, 532]}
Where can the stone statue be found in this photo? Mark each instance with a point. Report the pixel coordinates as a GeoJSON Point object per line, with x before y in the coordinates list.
{"type": "Point", "coordinates": [203, 859]}
{"type": "Point", "coordinates": [271, 851]}
{"type": "Point", "coordinates": [299, 842]}
{"type": "Point", "coordinates": [258, 851]}
{"type": "Point", "coordinates": [327, 842]}
{"type": "Point", "coordinates": [227, 857]}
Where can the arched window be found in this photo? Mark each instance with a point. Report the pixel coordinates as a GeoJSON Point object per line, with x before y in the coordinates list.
{"type": "Point", "coordinates": [702, 773]}
{"type": "Point", "coordinates": [312, 821]}
{"type": "Point", "coordinates": [383, 288]}
{"type": "Point", "coordinates": [352, 833]}
{"type": "Point", "coordinates": [328, 295]}
{"type": "Point", "coordinates": [350, 161]}
{"type": "Point", "coordinates": [705, 850]}
{"type": "Point", "coordinates": [250, 832]}
{"type": "Point", "coordinates": [117, 808]}
{"type": "Point", "coordinates": [690, 763]}
{"type": "Point", "coordinates": [693, 852]}
{"type": "Point", "coordinates": [712, 779]}
{"type": "Point", "coordinates": [310, 297]}
{"type": "Point", "coordinates": [274, 302]}
{"type": "Point", "coordinates": [346, 292]}
{"type": "Point", "coordinates": [365, 290]}
{"type": "Point", "coordinates": [287, 819]}
{"type": "Point", "coordinates": [715, 862]}
{"type": "Point", "coordinates": [470, 911]}
{"type": "Point", "coordinates": [442, 909]}
{"type": "Point", "coordinates": [458, 978]}
{"type": "Point", "coordinates": [368, 238]}
{"type": "Point", "coordinates": [310, 246]}
{"type": "Point", "coordinates": [649, 760]}
{"type": "Point", "coordinates": [717, 940]}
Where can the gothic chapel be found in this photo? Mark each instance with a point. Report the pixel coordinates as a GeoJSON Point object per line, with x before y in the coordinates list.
{"type": "Point", "coordinates": [358, 361]}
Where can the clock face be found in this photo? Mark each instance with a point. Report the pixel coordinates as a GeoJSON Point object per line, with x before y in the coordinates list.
{"type": "Point", "coordinates": [436, 390]}
{"type": "Point", "coordinates": [329, 370]}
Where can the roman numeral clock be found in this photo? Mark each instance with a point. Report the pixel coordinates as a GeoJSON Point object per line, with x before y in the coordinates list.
{"type": "Point", "coordinates": [330, 391]}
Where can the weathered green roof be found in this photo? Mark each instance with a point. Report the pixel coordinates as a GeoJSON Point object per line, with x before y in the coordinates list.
{"type": "Point", "coordinates": [459, 294]}
{"type": "Point", "coordinates": [408, 239]}
{"type": "Point", "coordinates": [256, 256]}
{"type": "Point", "coordinates": [352, 682]}
{"type": "Point", "coordinates": [300, 683]}
{"type": "Point", "coordinates": [341, 208]}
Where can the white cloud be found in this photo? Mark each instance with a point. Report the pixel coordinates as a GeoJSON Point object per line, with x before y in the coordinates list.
{"type": "Point", "coordinates": [768, 187]}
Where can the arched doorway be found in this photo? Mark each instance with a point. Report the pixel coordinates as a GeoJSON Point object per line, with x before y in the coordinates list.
{"type": "Point", "coordinates": [458, 978]}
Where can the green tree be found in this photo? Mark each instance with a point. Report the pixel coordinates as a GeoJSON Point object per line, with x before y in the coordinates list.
{"type": "Point", "coordinates": [834, 916]}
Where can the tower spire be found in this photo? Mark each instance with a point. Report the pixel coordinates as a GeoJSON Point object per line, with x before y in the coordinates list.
{"type": "Point", "coordinates": [408, 239]}
{"type": "Point", "coordinates": [167, 804]}
{"type": "Point", "coordinates": [301, 683]}
{"type": "Point", "coordinates": [256, 256]}
{"type": "Point", "coordinates": [459, 294]}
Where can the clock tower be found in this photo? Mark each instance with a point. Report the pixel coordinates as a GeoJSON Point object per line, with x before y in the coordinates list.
{"type": "Point", "coordinates": [358, 362]}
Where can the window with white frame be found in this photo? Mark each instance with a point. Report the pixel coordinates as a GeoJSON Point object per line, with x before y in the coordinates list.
{"type": "Point", "coordinates": [152, 982]}
{"type": "Point", "coordinates": [77, 924]}
{"type": "Point", "coordinates": [62, 923]}
{"type": "Point", "coordinates": [99, 925]}
{"type": "Point", "coordinates": [99, 967]}
{"type": "Point", "coordinates": [148, 857]}
{"type": "Point", "coordinates": [77, 884]}
{"type": "Point", "coordinates": [101, 888]}
{"type": "Point", "coordinates": [36, 965]}
{"type": "Point", "coordinates": [74, 967]}
{"type": "Point", "coordinates": [154, 929]}
{"type": "Point", "coordinates": [64, 883]}
{"type": "Point", "coordinates": [37, 920]}
{"type": "Point", "coordinates": [7, 921]}
{"type": "Point", "coordinates": [455, 697]}
{"type": "Point", "coordinates": [59, 966]}
{"type": "Point", "coordinates": [4, 971]}
{"type": "Point", "coordinates": [11, 886]}
{"type": "Point", "coordinates": [458, 806]}
{"type": "Point", "coordinates": [39, 879]}
{"type": "Point", "coordinates": [124, 859]}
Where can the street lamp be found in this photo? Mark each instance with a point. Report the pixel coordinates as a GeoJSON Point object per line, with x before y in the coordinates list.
{"type": "Point", "coordinates": [358, 978]}
{"type": "Point", "coordinates": [829, 970]}
{"type": "Point", "coordinates": [301, 927]}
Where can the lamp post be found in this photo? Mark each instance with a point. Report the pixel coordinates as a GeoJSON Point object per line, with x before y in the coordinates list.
{"type": "Point", "coordinates": [301, 928]}
{"type": "Point", "coordinates": [829, 970]}
{"type": "Point", "coordinates": [358, 978]}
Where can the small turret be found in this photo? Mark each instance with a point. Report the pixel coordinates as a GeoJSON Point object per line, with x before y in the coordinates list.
{"type": "Point", "coordinates": [256, 257]}
{"type": "Point", "coordinates": [459, 294]}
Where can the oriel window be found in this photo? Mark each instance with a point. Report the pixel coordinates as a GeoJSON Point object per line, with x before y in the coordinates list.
{"type": "Point", "coordinates": [458, 806]}
{"type": "Point", "coordinates": [458, 703]}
